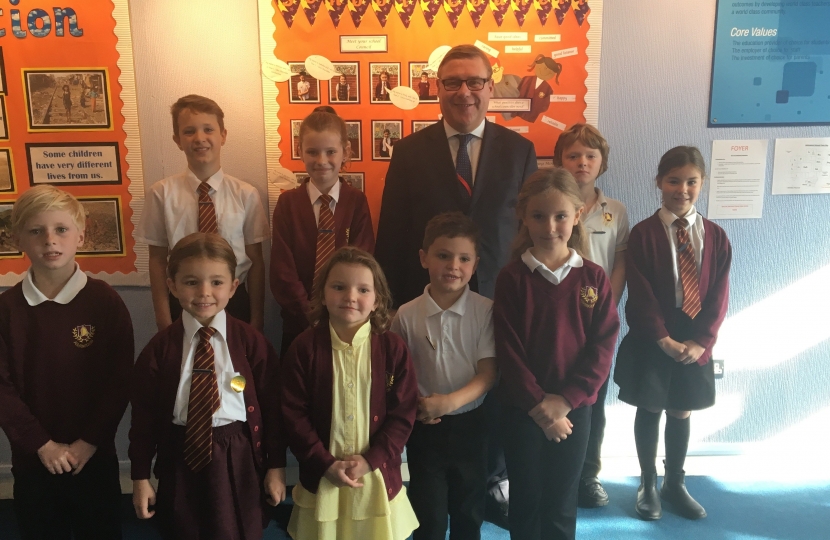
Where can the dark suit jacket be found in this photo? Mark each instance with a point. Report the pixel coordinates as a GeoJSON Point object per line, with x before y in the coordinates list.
{"type": "Point", "coordinates": [421, 183]}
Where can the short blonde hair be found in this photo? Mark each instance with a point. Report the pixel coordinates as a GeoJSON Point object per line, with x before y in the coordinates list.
{"type": "Point", "coordinates": [45, 198]}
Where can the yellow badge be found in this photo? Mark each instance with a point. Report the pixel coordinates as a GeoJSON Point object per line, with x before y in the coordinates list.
{"type": "Point", "coordinates": [238, 383]}
{"type": "Point", "coordinates": [541, 95]}
{"type": "Point", "coordinates": [607, 217]}
{"type": "Point", "coordinates": [589, 296]}
{"type": "Point", "coordinates": [83, 335]}
{"type": "Point", "coordinates": [390, 380]}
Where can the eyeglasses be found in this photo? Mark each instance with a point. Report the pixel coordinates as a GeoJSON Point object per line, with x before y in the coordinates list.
{"type": "Point", "coordinates": [473, 83]}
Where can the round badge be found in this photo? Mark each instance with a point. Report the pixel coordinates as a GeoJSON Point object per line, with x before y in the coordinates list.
{"type": "Point", "coordinates": [238, 383]}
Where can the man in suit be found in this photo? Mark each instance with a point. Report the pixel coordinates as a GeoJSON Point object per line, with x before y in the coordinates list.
{"type": "Point", "coordinates": [462, 163]}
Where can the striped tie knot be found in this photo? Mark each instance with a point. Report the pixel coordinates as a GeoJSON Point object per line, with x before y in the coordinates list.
{"type": "Point", "coordinates": [204, 188]}
{"type": "Point", "coordinates": [207, 211]}
{"type": "Point", "coordinates": [325, 199]}
{"type": "Point", "coordinates": [206, 332]}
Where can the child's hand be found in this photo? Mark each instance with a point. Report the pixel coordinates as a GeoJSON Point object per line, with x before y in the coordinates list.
{"type": "Point", "coordinates": [144, 496]}
{"type": "Point", "coordinates": [54, 457]}
{"type": "Point", "coordinates": [79, 453]}
{"type": "Point", "coordinates": [433, 407]}
{"type": "Point", "coordinates": [559, 431]}
{"type": "Point", "coordinates": [693, 352]}
{"type": "Point", "coordinates": [673, 348]}
{"type": "Point", "coordinates": [551, 409]}
{"type": "Point", "coordinates": [359, 470]}
{"type": "Point", "coordinates": [275, 486]}
{"type": "Point", "coordinates": [336, 474]}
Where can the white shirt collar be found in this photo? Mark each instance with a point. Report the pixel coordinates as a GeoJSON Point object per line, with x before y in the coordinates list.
{"type": "Point", "coordinates": [214, 181]}
{"type": "Point", "coordinates": [459, 307]}
{"type": "Point", "coordinates": [554, 276]}
{"type": "Point", "coordinates": [452, 132]}
{"type": "Point", "coordinates": [191, 325]}
{"type": "Point", "coordinates": [601, 201]}
{"type": "Point", "coordinates": [668, 218]}
{"type": "Point", "coordinates": [75, 284]}
{"type": "Point", "coordinates": [314, 193]}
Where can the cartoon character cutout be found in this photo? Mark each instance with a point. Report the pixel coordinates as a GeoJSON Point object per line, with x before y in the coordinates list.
{"type": "Point", "coordinates": [520, 9]}
{"type": "Point", "coordinates": [335, 9]}
{"type": "Point", "coordinates": [382, 9]}
{"type": "Point", "coordinates": [562, 8]}
{"type": "Point", "coordinates": [533, 87]}
{"type": "Point", "coordinates": [499, 8]}
{"type": "Point", "coordinates": [430, 9]}
{"type": "Point", "coordinates": [581, 11]}
{"type": "Point", "coordinates": [405, 9]}
{"type": "Point", "coordinates": [476, 9]}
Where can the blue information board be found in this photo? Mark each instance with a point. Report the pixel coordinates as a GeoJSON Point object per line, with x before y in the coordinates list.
{"type": "Point", "coordinates": [771, 63]}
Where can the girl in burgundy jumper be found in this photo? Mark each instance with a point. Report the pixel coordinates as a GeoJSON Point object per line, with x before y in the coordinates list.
{"type": "Point", "coordinates": [555, 325]}
{"type": "Point", "coordinates": [677, 271]}
{"type": "Point", "coordinates": [303, 227]}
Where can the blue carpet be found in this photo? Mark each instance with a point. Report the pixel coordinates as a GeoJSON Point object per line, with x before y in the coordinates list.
{"type": "Point", "coordinates": [737, 511]}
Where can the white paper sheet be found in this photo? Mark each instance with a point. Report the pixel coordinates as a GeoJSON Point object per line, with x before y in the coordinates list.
{"type": "Point", "coordinates": [737, 180]}
{"type": "Point", "coordinates": [802, 166]}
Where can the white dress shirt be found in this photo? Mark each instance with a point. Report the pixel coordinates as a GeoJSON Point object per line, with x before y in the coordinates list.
{"type": "Point", "coordinates": [68, 293]}
{"type": "Point", "coordinates": [314, 196]}
{"type": "Point", "coordinates": [695, 230]}
{"type": "Point", "coordinates": [473, 147]}
{"type": "Point", "coordinates": [554, 276]}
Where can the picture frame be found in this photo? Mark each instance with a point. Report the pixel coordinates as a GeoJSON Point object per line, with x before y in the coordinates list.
{"type": "Point", "coordinates": [295, 139]}
{"type": "Point", "coordinates": [7, 248]}
{"type": "Point", "coordinates": [350, 89]}
{"type": "Point", "coordinates": [97, 163]}
{"type": "Point", "coordinates": [67, 99]}
{"type": "Point", "coordinates": [4, 123]}
{"type": "Point", "coordinates": [104, 227]}
{"type": "Point", "coordinates": [355, 179]}
{"type": "Point", "coordinates": [354, 130]}
{"type": "Point", "coordinates": [301, 177]}
{"type": "Point", "coordinates": [428, 93]}
{"type": "Point", "coordinates": [300, 78]}
{"type": "Point", "coordinates": [382, 150]}
{"type": "Point", "coordinates": [2, 73]}
{"type": "Point", "coordinates": [418, 125]}
{"type": "Point", "coordinates": [381, 86]}
{"type": "Point", "coordinates": [8, 183]}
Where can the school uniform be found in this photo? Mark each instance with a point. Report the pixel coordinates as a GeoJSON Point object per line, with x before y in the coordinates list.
{"type": "Point", "coordinates": [538, 91]}
{"type": "Point", "coordinates": [294, 248]}
{"type": "Point", "coordinates": [648, 377]}
{"type": "Point", "coordinates": [448, 461]}
{"type": "Point", "coordinates": [171, 212]}
{"type": "Point", "coordinates": [64, 373]}
{"type": "Point", "coordinates": [382, 90]}
{"type": "Point", "coordinates": [555, 334]}
{"type": "Point", "coordinates": [224, 499]}
{"type": "Point", "coordinates": [330, 414]}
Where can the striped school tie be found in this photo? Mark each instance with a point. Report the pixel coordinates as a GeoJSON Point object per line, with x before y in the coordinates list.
{"type": "Point", "coordinates": [325, 237]}
{"type": "Point", "coordinates": [204, 402]}
{"type": "Point", "coordinates": [463, 168]}
{"type": "Point", "coordinates": [207, 212]}
{"type": "Point", "coordinates": [688, 270]}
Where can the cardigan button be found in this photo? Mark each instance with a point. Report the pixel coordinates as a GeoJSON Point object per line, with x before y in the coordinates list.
{"type": "Point", "coordinates": [256, 428]}
{"type": "Point", "coordinates": [251, 408]}
{"type": "Point", "coordinates": [384, 465]}
{"type": "Point", "coordinates": [258, 444]}
{"type": "Point", "coordinates": [389, 491]}
{"type": "Point", "coordinates": [375, 419]}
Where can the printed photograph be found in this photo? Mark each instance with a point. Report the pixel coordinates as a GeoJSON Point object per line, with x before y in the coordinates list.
{"type": "Point", "coordinates": [7, 247]}
{"type": "Point", "coordinates": [353, 129]}
{"type": "Point", "coordinates": [7, 183]}
{"type": "Point", "coordinates": [303, 87]}
{"type": "Point", "coordinates": [301, 177]}
{"type": "Point", "coordinates": [295, 139]}
{"type": "Point", "coordinates": [384, 77]}
{"type": "Point", "coordinates": [102, 231]}
{"type": "Point", "coordinates": [59, 100]}
{"type": "Point", "coordinates": [424, 81]}
{"type": "Point", "coordinates": [418, 125]}
{"type": "Point", "coordinates": [353, 179]}
{"type": "Point", "coordinates": [385, 133]}
{"type": "Point", "coordinates": [4, 124]}
{"type": "Point", "coordinates": [2, 73]}
{"type": "Point", "coordinates": [345, 88]}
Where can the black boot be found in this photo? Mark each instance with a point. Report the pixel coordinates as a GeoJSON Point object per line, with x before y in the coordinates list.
{"type": "Point", "coordinates": [674, 491]}
{"type": "Point", "coordinates": [648, 501]}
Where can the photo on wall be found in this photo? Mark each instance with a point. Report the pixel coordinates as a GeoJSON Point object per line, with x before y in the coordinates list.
{"type": "Point", "coordinates": [345, 88]}
{"type": "Point", "coordinates": [354, 128]}
{"type": "Point", "coordinates": [7, 182]}
{"type": "Point", "coordinates": [385, 133]}
{"type": "Point", "coordinates": [424, 81]}
{"type": "Point", "coordinates": [67, 99]}
{"type": "Point", "coordinates": [384, 77]}
{"type": "Point", "coordinates": [2, 73]}
{"type": "Point", "coordinates": [301, 177]}
{"type": "Point", "coordinates": [295, 139]}
{"type": "Point", "coordinates": [418, 125]}
{"type": "Point", "coordinates": [354, 179]}
{"type": "Point", "coordinates": [103, 231]}
{"type": "Point", "coordinates": [4, 123]}
{"type": "Point", "coordinates": [7, 247]}
{"type": "Point", "coordinates": [303, 87]}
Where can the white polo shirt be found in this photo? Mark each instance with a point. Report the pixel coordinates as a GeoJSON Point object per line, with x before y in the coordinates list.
{"type": "Point", "coordinates": [171, 212]}
{"type": "Point", "coordinates": [607, 228]}
{"type": "Point", "coordinates": [446, 345]}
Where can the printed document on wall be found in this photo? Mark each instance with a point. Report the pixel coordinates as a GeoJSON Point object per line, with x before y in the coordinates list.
{"type": "Point", "coordinates": [738, 178]}
{"type": "Point", "coordinates": [802, 166]}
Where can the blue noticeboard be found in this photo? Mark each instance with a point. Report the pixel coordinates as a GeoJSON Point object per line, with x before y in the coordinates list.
{"type": "Point", "coordinates": [771, 63]}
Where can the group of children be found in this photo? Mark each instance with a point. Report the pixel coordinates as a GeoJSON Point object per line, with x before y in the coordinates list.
{"type": "Point", "coordinates": [215, 407]}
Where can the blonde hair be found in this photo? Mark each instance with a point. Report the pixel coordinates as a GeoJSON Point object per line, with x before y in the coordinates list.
{"type": "Point", "coordinates": [45, 198]}
{"type": "Point", "coordinates": [587, 135]}
{"type": "Point", "coordinates": [201, 245]}
{"type": "Point", "coordinates": [541, 182]}
{"type": "Point", "coordinates": [380, 317]}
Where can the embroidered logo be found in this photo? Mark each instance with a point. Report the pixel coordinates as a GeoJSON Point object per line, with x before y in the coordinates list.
{"type": "Point", "coordinates": [607, 217]}
{"type": "Point", "coordinates": [390, 380]}
{"type": "Point", "coordinates": [83, 335]}
{"type": "Point", "coordinates": [588, 296]}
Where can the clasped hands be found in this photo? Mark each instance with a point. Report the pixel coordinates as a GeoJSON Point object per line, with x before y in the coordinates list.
{"type": "Point", "coordinates": [348, 471]}
{"type": "Point", "coordinates": [59, 458]}
{"type": "Point", "coordinates": [551, 415]}
{"type": "Point", "coordinates": [686, 352]}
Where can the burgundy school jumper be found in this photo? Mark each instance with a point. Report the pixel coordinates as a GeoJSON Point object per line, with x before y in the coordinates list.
{"type": "Point", "coordinates": [153, 397]}
{"type": "Point", "coordinates": [306, 387]}
{"type": "Point", "coordinates": [294, 248]}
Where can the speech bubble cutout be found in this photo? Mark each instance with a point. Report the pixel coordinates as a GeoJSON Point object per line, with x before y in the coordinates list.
{"type": "Point", "coordinates": [276, 70]}
{"type": "Point", "coordinates": [436, 57]}
{"type": "Point", "coordinates": [404, 97]}
{"type": "Point", "coordinates": [320, 67]}
{"type": "Point", "coordinates": [282, 178]}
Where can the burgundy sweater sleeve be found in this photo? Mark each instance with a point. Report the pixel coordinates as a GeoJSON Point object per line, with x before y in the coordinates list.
{"type": "Point", "coordinates": [362, 235]}
{"type": "Point", "coordinates": [115, 369]}
{"type": "Point", "coordinates": [508, 311]}
{"type": "Point", "coordinates": [265, 366]}
{"type": "Point", "coordinates": [286, 286]}
{"type": "Point", "coordinates": [145, 398]}
{"type": "Point", "coordinates": [714, 306]}
{"type": "Point", "coordinates": [21, 427]}
{"type": "Point", "coordinates": [594, 363]}
{"type": "Point", "coordinates": [642, 310]}
{"type": "Point", "coordinates": [401, 406]}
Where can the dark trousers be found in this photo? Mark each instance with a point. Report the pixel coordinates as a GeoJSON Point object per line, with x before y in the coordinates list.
{"type": "Point", "coordinates": [54, 506]}
{"type": "Point", "coordinates": [544, 476]}
{"type": "Point", "coordinates": [448, 475]}
{"type": "Point", "coordinates": [239, 305]}
{"type": "Point", "coordinates": [593, 461]}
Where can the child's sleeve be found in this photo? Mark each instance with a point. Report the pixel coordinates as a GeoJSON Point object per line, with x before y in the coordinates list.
{"type": "Point", "coordinates": [288, 290]}
{"type": "Point", "coordinates": [486, 347]}
{"type": "Point", "coordinates": [713, 308]}
{"type": "Point", "coordinates": [623, 230]}
{"type": "Point", "coordinates": [265, 366]}
{"type": "Point", "coordinates": [144, 398]}
{"type": "Point", "coordinates": [255, 227]}
{"type": "Point", "coordinates": [151, 228]}
{"type": "Point", "coordinates": [16, 419]}
{"type": "Point", "coordinates": [362, 234]}
{"type": "Point", "coordinates": [642, 311]}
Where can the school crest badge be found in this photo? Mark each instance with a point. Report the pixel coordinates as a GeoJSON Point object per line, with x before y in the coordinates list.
{"type": "Point", "coordinates": [390, 380]}
{"type": "Point", "coordinates": [607, 217]}
{"type": "Point", "coordinates": [588, 296]}
{"type": "Point", "coordinates": [83, 335]}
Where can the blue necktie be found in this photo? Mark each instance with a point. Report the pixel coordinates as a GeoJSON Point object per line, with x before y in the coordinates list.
{"type": "Point", "coordinates": [463, 167]}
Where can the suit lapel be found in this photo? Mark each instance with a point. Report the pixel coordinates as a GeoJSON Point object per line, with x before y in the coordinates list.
{"type": "Point", "coordinates": [486, 161]}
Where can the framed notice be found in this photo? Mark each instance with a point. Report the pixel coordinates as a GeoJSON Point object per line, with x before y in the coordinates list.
{"type": "Point", "coordinates": [73, 164]}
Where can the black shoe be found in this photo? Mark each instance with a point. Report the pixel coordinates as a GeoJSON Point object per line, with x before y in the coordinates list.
{"type": "Point", "coordinates": [497, 503]}
{"type": "Point", "coordinates": [648, 501]}
{"type": "Point", "coordinates": [591, 493]}
{"type": "Point", "coordinates": [674, 491]}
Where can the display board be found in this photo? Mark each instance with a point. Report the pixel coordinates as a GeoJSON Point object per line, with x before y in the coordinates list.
{"type": "Point", "coordinates": [357, 56]}
{"type": "Point", "coordinates": [69, 118]}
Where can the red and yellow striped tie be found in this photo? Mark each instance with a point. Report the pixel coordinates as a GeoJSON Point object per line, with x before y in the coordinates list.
{"type": "Point", "coordinates": [687, 267]}
{"type": "Point", "coordinates": [325, 237]}
{"type": "Point", "coordinates": [207, 212]}
{"type": "Point", "coordinates": [204, 402]}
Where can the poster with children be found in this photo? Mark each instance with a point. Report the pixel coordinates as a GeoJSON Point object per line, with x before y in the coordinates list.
{"type": "Point", "coordinates": [67, 75]}
{"type": "Point", "coordinates": [380, 62]}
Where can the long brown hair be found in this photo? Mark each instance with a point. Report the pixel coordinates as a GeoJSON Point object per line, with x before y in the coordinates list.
{"type": "Point", "coordinates": [680, 156]}
{"type": "Point", "coordinates": [380, 317]}
{"type": "Point", "coordinates": [540, 182]}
